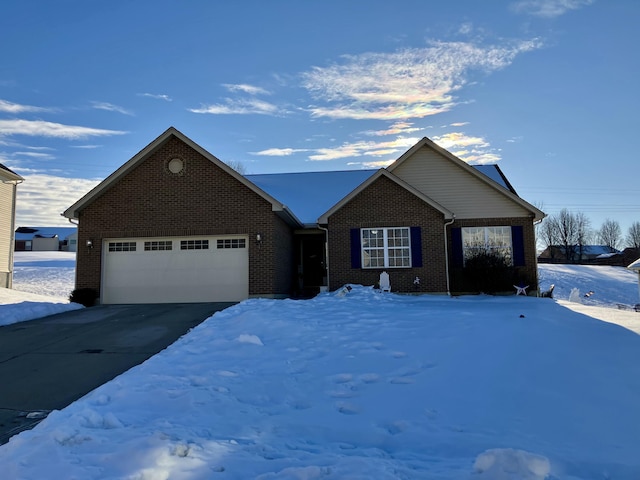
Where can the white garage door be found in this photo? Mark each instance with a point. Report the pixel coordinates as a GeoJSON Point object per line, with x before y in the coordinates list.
{"type": "Point", "coordinates": [175, 270]}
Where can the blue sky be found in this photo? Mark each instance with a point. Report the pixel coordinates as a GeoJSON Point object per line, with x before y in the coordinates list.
{"type": "Point", "coordinates": [548, 89]}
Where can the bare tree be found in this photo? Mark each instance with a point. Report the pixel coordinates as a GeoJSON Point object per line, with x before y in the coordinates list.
{"type": "Point", "coordinates": [583, 232]}
{"type": "Point", "coordinates": [238, 166]}
{"type": "Point", "coordinates": [567, 231]}
{"type": "Point", "coordinates": [548, 234]}
{"type": "Point", "coordinates": [610, 234]}
{"type": "Point", "coordinates": [633, 235]}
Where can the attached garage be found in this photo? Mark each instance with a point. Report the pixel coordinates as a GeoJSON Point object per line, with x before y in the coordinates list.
{"type": "Point", "coordinates": [175, 269]}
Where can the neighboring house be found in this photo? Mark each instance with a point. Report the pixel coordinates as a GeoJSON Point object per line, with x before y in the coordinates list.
{"type": "Point", "coordinates": [601, 254]}
{"type": "Point", "coordinates": [635, 266]}
{"type": "Point", "coordinates": [9, 181]}
{"type": "Point", "coordinates": [42, 239]}
{"type": "Point", "coordinates": [70, 243]}
{"type": "Point", "coordinates": [175, 224]}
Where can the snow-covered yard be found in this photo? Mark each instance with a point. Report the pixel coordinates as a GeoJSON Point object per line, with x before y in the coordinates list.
{"type": "Point", "coordinates": [359, 384]}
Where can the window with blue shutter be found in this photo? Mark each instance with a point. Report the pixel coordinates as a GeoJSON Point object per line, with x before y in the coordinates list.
{"type": "Point", "coordinates": [517, 238]}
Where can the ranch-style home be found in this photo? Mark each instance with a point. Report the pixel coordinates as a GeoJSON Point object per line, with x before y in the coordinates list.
{"type": "Point", "coordinates": [9, 181]}
{"type": "Point", "coordinates": [176, 224]}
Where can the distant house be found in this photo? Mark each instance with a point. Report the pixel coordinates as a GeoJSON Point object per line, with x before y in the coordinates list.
{"type": "Point", "coordinates": [176, 224]}
{"type": "Point", "coordinates": [70, 243]}
{"type": "Point", "coordinates": [9, 181]}
{"type": "Point", "coordinates": [635, 266]}
{"type": "Point", "coordinates": [42, 239]}
{"type": "Point", "coordinates": [601, 254]}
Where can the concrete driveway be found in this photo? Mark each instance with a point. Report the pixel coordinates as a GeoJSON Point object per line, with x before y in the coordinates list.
{"type": "Point", "coordinates": [48, 363]}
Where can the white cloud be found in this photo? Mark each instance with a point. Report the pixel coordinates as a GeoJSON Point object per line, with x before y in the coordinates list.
{"type": "Point", "coordinates": [42, 198]}
{"type": "Point", "coordinates": [39, 128]}
{"type": "Point", "coordinates": [40, 155]}
{"type": "Point", "coordinates": [470, 149]}
{"type": "Point", "coordinates": [110, 107]}
{"type": "Point", "coordinates": [359, 149]}
{"type": "Point", "coordinates": [166, 98]}
{"type": "Point", "coordinates": [239, 107]}
{"type": "Point", "coordinates": [279, 152]}
{"type": "Point", "coordinates": [379, 164]}
{"type": "Point", "coordinates": [397, 128]}
{"type": "Point", "coordinates": [88, 147]}
{"type": "Point", "coordinates": [548, 8]}
{"type": "Point", "coordinates": [458, 124]}
{"type": "Point", "coordinates": [244, 88]}
{"type": "Point", "coordinates": [478, 157]}
{"type": "Point", "coordinates": [412, 83]}
{"type": "Point", "coordinates": [11, 107]}
{"type": "Point", "coordinates": [457, 139]}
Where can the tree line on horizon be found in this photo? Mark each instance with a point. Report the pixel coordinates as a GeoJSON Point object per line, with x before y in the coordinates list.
{"type": "Point", "coordinates": [573, 231]}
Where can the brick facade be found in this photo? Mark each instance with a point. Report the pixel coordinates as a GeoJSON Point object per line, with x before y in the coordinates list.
{"type": "Point", "coordinates": [150, 201]}
{"type": "Point", "coordinates": [384, 203]}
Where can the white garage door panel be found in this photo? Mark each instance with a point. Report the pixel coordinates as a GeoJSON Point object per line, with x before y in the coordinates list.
{"type": "Point", "coordinates": [175, 276]}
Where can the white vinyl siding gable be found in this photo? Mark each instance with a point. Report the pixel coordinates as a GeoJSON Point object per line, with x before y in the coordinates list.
{"type": "Point", "coordinates": [456, 189]}
{"type": "Point", "coordinates": [6, 229]}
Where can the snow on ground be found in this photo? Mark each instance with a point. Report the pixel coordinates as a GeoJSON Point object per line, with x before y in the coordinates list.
{"type": "Point", "coordinates": [45, 273]}
{"type": "Point", "coordinates": [362, 385]}
{"type": "Point", "coordinates": [42, 282]}
{"type": "Point", "coordinates": [611, 286]}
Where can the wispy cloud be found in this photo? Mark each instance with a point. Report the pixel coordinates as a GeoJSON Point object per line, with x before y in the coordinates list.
{"type": "Point", "coordinates": [10, 107]}
{"type": "Point", "coordinates": [244, 88]}
{"type": "Point", "coordinates": [39, 155]}
{"type": "Point", "coordinates": [411, 83]}
{"type": "Point", "coordinates": [239, 107]}
{"type": "Point", "coordinates": [457, 139]}
{"type": "Point", "coordinates": [279, 152]}
{"type": "Point", "coordinates": [110, 107]}
{"type": "Point", "coordinates": [88, 147]}
{"type": "Point", "coordinates": [39, 128]}
{"type": "Point", "coordinates": [458, 124]}
{"type": "Point", "coordinates": [470, 149]}
{"type": "Point", "coordinates": [346, 150]}
{"type": "Point", "coordinates": [398, 128]}
{"type": "Point", "coordinates": [42, 198]}
{"type": "Point", "coordinates": [166, 98]}
{"type": "Point", "coordinates": [548, 8]}
{"type": "Point", "coordinates": [359, 149]}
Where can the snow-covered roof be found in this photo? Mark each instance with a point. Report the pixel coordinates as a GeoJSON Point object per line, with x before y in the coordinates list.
{"type": "Point", "coordinates": [635, 265]}
{"type": "Point", "coordinates": [495, 174]}
{"type": "Point", "coordinates": [44, 232]}
{"type": "Point", "coordinates": [310, 194]}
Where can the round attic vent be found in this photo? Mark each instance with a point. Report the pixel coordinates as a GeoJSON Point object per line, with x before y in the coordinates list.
{"type": "Point", "coordinates": [175, 165]}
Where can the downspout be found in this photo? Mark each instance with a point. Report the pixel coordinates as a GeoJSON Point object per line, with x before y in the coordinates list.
{"type": "Point", "coordinates": [326, 252]}
{"type": "Point", "coordinates": [446, 253]}
{"type": "Point", "coordinates": [13, 230]}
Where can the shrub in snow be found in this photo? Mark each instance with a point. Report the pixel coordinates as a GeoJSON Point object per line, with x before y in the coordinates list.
{"type": "Point", "coordinates": [84, 296]}
{"type": "Point", "coordinates": [488, 272]}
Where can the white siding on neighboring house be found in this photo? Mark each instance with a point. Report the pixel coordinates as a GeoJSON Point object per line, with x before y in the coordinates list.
{"type": "Point", "coordinates": [460, 192]}
{"type": "Point", "coordinates": [45, 244]}
{"type": "Point", "coordinates": [6, 233]}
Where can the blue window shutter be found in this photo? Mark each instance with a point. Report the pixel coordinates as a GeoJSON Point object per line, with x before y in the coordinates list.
{"type": "Point", "coordinates": [356, 251]}
{"type": "Point", "coordinates": [517, 239]}
{"type": "Point", "coordinates": [416, 247]}
{"type": "Point", "coordinates": [457, 255]}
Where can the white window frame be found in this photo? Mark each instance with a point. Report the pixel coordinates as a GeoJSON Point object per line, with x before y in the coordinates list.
{"type": "Point", "coordinates": [388, 245]}
{"type": "Point", "coordinates": [484, 238]}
